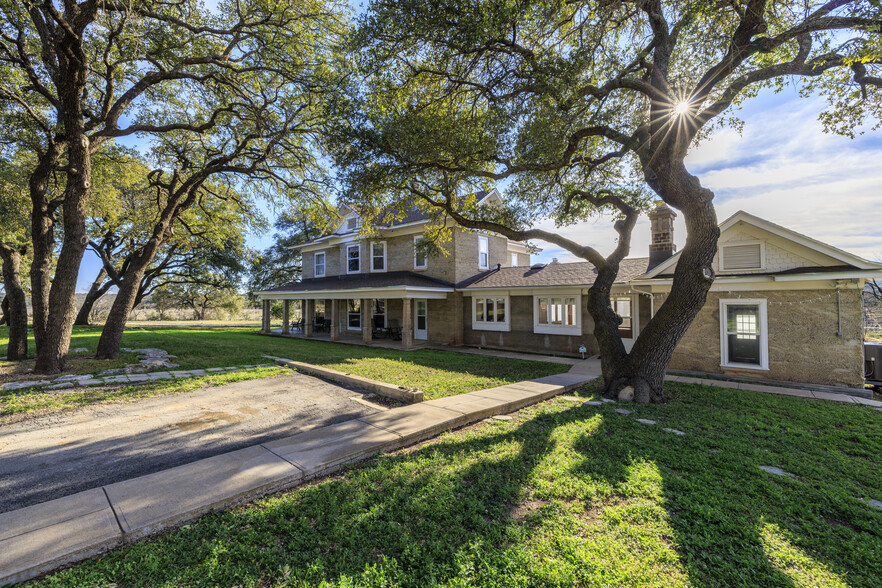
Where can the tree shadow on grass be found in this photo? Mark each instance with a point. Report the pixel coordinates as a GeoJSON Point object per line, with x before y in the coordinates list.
{"type": "Point", "coordinates": [565, 495]}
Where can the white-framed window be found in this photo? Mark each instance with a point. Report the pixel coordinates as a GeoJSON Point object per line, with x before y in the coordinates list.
{"type": "Point", "coordinates": [320, 264]}
{"type": "Point", "coordinates": [483, 253]}
{"type": "Point", "coordinates": [744, 337]}
{"type": "Point", "coordinates": [378, 256]}
{"type": "Point", "coordinates": [352, 223]}
{"type": "Point", "coordinates": [623, 306]}
{"type": "Point", "coordinates": [353, 314]}
{"type": "Point", "coordinates": [353, 259]}
{"type": "Point", "coordinates": [514, 260]}
{"type": "Point", "coordinates": [491, 313]}
{"type": "Point", "coordinates": [419, 255]}
{"type": "Point", "coordinates": [743, 255]}
{"type": "Point", "coordinates": [557, 314]}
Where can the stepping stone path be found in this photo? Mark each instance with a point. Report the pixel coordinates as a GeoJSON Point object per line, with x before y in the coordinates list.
{"type": "Point", "coordinates": [79, 350]}
{"type": "Point", "coordinates": [570, 398]}
{"type": "Point", "coordinates": [623, 411]}
{"type": "Point", "coordinates": [674, 431]}
{"type": "Point", "coordinates": [607, 400]}
{"type": "Point", "coordinates": [646, 421]}
{"type": "Point", "coordinates": [872, 502]}
{"type": "Point", "coordinates": [148, 360]}
{"type": "Point", "coordinates": [776, 470]}
{"type": "Point", "coordinates": [593, 403]}
{"type": "Point", "coordinates": [501, 417]}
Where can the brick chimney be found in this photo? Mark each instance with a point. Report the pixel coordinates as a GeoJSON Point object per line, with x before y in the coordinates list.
{"type": "Point", "coordinates": [662, 245]}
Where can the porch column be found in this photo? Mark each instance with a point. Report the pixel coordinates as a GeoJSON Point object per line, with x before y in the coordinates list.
{"type": "Point", "coordinates": [308, 318]}
{"type": "Point", "coordinates": [265, 322]}
{"type": "Point", "coordinates": [335, 320]}
{"type": "Point", "coordinates": [286, 317]}
{"type": "Point", "coordinates": [406, 324]}
{"type": "Point", "coordinates": [367, 325]}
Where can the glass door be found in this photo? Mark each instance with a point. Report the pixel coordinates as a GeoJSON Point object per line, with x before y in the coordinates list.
{"type": "Point", "coordinates": [420, 321]}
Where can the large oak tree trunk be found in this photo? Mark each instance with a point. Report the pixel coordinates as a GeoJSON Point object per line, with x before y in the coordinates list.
{"type": "Point", "coordinates": [111, 335]}
{"type": "Point", "coordinates": [96, 291]}
{"type": "Point", "coordinates": [18, 310]}
{"type": "Point", "coordinates": [4, 310]}
{"type": "Point", "coordinates": [42, 240]}
{"type": "Point", "coordinates": [639, 375]}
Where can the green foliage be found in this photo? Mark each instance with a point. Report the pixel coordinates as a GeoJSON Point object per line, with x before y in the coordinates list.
{"type": "Point", "coordinates": [281, 263]}
{"type": "Point", "coordinates": [562, 495]}
{"type": "Point", "coordinates": [574, 105]}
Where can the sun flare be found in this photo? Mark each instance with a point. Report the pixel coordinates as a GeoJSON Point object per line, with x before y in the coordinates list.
{"type": "Point", "coordinates": [681, 108]}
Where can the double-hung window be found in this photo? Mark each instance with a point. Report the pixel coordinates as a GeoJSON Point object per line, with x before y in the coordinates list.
{"type": "Point", "coordinates": [378, 256]}
{"type": "Point", "coordinates": [353, 259]}
{"type": "Point", "coordinates": [320, 264]}
{"type": "Point", "coordinates": [744, 338]}
{"type": "Point", "coordinates": [353, 314]}
{"type": "Point", "coordinates": [490, 314]}
{"type": "Point", "coordinates": [557, 315]}
{"type": "Point", "coordinates": [514, 260]}
{"type": "Point", "coordinates": [483, 253]}
{"type": "Point", "coordinates": [419, 253]}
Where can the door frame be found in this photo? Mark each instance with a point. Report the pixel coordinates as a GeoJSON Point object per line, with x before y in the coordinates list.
{"type": "Point", "coordinates": [421, 334]}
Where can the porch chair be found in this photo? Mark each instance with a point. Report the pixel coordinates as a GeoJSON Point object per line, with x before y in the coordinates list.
{"type": "Point", "coordinates": [379, 327]}
{"type": "Point", "coordinates": [394, 330]}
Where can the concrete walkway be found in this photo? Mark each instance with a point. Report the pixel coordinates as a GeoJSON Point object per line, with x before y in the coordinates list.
{"type": "Point", "coordinates": [42, 537]}
{"type": "Point", "coordinates": [787, 391]}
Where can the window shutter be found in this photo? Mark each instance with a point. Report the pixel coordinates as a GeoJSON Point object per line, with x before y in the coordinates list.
{"type": "Point", "coordinates": [738, 257]}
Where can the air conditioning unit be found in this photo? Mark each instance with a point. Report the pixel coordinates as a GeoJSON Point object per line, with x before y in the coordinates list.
{"type": "Point", "coordinates": [873, 363]}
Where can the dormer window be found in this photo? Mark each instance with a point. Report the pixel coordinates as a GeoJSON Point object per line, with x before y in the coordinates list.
{"type": "Point", "coordinates": [742, 255]}
{"type": "Point", "coordinates": [352, 223]}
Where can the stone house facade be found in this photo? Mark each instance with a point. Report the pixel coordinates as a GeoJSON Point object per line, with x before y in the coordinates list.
{"type": "Point", "coordinates": [783, 306]}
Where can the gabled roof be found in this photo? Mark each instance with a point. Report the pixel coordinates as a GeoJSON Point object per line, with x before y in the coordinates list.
{"type": "Point", "coordinates": [577, 274]}
{"type": "Point", "coordinates": [845, 258]}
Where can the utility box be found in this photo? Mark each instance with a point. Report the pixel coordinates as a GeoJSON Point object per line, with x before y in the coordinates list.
{"type": "Point", "coordinates": [873, 363]}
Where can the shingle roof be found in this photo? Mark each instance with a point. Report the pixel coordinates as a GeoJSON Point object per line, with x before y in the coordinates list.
{"type": "Point", "coordinates": [553, 274]}
{"type": "Point", "coordinates": [378, 280]}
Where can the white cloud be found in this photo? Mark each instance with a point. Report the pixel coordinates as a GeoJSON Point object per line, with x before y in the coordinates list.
{"type": "Point", "coordinates": [783, 168]}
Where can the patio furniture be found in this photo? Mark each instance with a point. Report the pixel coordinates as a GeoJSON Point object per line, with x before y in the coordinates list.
{"type": "Point", "coordinates": [379, 327]}
{"type": "Point", "coordinates": [297, 325]}
{"type": "Point", "coordinates": [394, 330]}
{"type": "Point", "coordinates": [320, 325]}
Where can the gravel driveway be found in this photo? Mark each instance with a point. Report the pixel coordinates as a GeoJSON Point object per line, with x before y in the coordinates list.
{"type": "Point", "coordinates": [57, 455]}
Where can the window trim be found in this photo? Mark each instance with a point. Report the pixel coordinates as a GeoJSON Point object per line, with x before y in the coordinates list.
{"type": "Point", "coordinates": [349, 314]}
{"type": "Point", "coordinates": [633, 302]}
{"type": "Point", "coordinates": [357, 246]}
{"type": "Point", "coordinates": [762, 252]}
{"type": "Point", "coordinates": [482, 240]}
{"type": "Point", "coordinates": [315, 256]}
{"type": "Point", "coordinates": [425, 265]}
{"type": "Point", "coordinates": [357, 223]}
{"type": "Point", "coordinates": [548, 328]}
{"type": "Point", "coordinates": [503, 326]}
{"type": "Point", "coordinates": [764, 333]}
{"type": "Point", "coordinates": [514, 259]}
{"type": "Point", "coordinates": [385, 256]}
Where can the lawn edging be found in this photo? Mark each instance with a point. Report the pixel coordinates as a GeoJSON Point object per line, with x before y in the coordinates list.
{"type": "Point", "coordinates": [410, 395]}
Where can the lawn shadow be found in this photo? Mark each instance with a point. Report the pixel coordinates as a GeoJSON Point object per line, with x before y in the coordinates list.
{"type": "Point", "coordinates": [460, 509]}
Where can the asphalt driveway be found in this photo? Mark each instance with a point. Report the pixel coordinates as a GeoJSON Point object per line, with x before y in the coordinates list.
{"type": "Point", "coordinates": [57, 455]}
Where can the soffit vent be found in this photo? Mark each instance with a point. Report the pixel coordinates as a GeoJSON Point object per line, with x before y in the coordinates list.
{"type": "Point", "coordinates": [741, 257]}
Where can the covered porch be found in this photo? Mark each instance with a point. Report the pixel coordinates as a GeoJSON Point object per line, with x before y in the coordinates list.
{"type": "Point", "coordinates": [389, 316]}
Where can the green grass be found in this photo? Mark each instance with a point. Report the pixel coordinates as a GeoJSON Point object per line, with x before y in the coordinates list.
{"type": "Point", "coordinates": [437, 373]}
{"type": "Point", "coordinates": [562, 495]}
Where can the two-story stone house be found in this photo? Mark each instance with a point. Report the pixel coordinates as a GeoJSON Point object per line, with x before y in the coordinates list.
{"type": "Point", "coordinates": [783, 307]}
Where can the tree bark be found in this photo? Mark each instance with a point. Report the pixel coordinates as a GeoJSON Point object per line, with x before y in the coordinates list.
{"type": "Point", "coordinates": [4, 310]}
{"type": "Point", "coordinates": [42, 239]}
{"type": "Point", "coordinates": [96, 291]}
{"type": "Point", "coordinates": [639, 375]}
{"type": "Point", "coordinates": [18, 310]}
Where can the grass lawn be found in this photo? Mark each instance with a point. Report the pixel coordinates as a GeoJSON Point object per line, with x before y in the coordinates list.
{"type": "Point", "coordinates": [437, 373]}
{"type": "Point", "coordinates": [564, 494]}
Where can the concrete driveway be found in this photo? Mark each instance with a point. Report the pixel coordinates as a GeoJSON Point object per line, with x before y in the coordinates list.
{"type": "Point", "coordinates": [57, 455]}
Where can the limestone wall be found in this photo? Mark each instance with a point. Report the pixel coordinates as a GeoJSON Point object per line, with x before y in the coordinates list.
{"type": "Point", "coordinates": [803, 346]}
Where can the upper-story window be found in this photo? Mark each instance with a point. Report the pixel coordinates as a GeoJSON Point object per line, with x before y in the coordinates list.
{"type": "Point", "coordinates": [483, 253]}
{"type": "Point", "coordinates": [419, 254]}
{"type": "Point", "coordinates": [378, 256]}
{"type": "Point", "coordinates": [352, 223]}
{"type": "Point", "coordinates": [353, 259]}
{"type": "Point", "coordinates": [320, 264]}
{"type": "Point", "coordinates": [514, 260]}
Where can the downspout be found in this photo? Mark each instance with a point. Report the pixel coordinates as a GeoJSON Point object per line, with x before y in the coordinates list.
{"type": "Point", "coordinates": [651, 299]}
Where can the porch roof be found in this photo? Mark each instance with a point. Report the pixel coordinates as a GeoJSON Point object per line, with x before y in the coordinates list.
{"type": "Point", "coordinates": [400, 284]}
